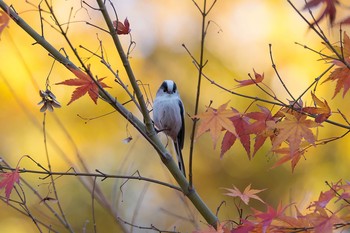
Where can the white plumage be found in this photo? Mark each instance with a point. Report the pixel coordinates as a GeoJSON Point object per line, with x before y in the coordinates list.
{"type": "Point", "coordinates": [168, 116]}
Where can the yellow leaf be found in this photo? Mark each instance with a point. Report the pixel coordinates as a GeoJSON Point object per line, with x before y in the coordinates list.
{"type": "Point", "coordinates": [214, 121]}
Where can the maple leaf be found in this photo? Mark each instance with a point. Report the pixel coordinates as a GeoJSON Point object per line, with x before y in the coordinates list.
{"type": "Point", "coordinates": [322, 110]}
{"type": "Point", "coordinates": [294, 158]}
{"type": "Point", "coordinates": [343, 50]}
{"type": "Point", "coordinates": [270, 215]}
{"type": "Point", "coordinates": [122, 29]}
{"type": "Point", "coordinates": [258, 78]}
{"type": "Point", "coordinates": [325, 197]}
{"type": "Point", "coordinates": [246, 226]}
{"type": "Point", "coordinates": [329, 9]}
{"type": "Point", "coordinates": [292, 129]}
{"type": "Point", "coordinates": [260, 127]}
{"type": "Point", "coordinates": [85, 85]}
{"type": "Point", "coordinates": [322, 222]}
{"type": "Point", "coordinates": [345, 188]}
{"type": "Point", "coordinates": [8, 181]}
{"type": "Point", "coordinates": [214, 121]}
{"type": "Point", "coordinates": [342, 73]}
{"type": "Point", "coordinates": [247, 194]}
{"type": "Point", "coordinates": [342, 76]}
{"type": "Point", "coordinates": [4, 21]}
{"type": "Point", "coordinates": [241, 123]}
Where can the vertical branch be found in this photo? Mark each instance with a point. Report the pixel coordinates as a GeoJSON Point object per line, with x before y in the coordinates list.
{"type": "Point", "coordinates": [128, 69]}
{"type": "Point", "coordinates": [65, 222]}
{"type": "Point", "coordinates": [201, 65]}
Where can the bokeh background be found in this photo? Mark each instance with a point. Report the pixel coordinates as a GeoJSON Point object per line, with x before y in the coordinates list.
{"type": "Point", "coordinates": [237, 42]}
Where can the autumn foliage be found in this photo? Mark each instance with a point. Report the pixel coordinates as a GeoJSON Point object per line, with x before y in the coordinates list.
{"type": "Point", "coordinates": [270, 125]}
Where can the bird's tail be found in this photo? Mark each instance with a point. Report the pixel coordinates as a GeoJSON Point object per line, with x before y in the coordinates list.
{"type": "Point", "coordinates": [180, 158]}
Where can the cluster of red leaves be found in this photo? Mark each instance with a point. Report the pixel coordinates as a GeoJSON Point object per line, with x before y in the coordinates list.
{"type": "Point", "coordinates": [85, 85]}
{"type": "Point", "coordinates": [8, 180]}
{"type": "Point", "coordinates": [329, 8]}
{"type": "Point", "coordinates": [319, 217]}
{"type": "Point", "coordinates": [4, 21]}
{"type": "Point", "coordinates": [290, 130]}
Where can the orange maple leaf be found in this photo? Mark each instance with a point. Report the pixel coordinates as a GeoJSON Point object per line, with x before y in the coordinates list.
{"type": "Point", "coordinates": [4, 20]}
{"type": "Point", "coordinates": [342, 73]}
{"type": "Point", "coordinates": [322, 110]}
{"type": "Point", "coordinates": [258, 78]}
{"type": "Point", "coordinates": [292, 129]}
{"type": "Point", "coordinates": [293, 158]}
{"type": "Point", "coordinates": [85, 85]}
{"type": "Point", "coordinates": [8, 181]}
{"type": "Point", "coordinates": [214, 121]}
{"type": "Point", "coordinates": [246, 195]}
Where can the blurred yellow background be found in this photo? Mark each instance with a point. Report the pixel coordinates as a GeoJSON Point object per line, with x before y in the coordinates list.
{"type": "Point", "coordinates": [237, 41]}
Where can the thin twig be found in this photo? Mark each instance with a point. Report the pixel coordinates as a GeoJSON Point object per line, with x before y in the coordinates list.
{"type": "Point", "coordinates": [65, 221]}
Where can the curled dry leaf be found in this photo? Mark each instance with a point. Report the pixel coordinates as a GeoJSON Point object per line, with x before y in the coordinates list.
{"type": "Point", "coordinates": [258, 78]}
{"type": "Point", "coordinates": [322, 110]}
{"type": "Point", "coordinates": [122, 28]}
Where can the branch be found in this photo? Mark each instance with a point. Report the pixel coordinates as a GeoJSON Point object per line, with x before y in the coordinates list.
{"type": "Point", "coordinates": [98, 174]}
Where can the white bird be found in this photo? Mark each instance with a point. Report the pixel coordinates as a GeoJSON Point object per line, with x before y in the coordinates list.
{"type": "Point", "coordinates": [168, 117]}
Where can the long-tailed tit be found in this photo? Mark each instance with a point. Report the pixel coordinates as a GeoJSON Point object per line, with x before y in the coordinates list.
{"type": "Point", "coordinates": [168, 116]}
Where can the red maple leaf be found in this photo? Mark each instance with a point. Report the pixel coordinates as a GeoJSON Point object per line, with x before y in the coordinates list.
{"type": "Point", "coordinates": [241, 123]}
{"type": "Point", "coordinates": [260, 127]}
{"type": "Point", "coordinates": [8, 180]}
{"type": "Point", "coordinates": [270, 215]}
{"type": "Point", "coordinates": [85, 85]}
{"type": "Point", "coordinates": [122, 29]}
{"type": "Point", "coordinates": [329, 9]}
{"type": "Point", "coordinates": [4, 20]}
{"type": "Point", "coordinates": [245, 227]}
{"type": "Point", "coordinates": [258, 78]}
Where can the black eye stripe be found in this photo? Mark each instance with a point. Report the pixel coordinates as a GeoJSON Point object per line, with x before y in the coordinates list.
{"type": "Point", "coordinates": [174, 88]}
{"type": "Point", "coordinates": [164, 86]}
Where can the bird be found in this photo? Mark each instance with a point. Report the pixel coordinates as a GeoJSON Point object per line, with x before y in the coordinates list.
{"type": "Point", "coordinates": [168, 117]}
